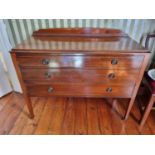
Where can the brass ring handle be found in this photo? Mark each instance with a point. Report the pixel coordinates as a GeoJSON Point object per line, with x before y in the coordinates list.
{"type": "Point", "coordinates": [47, 75]}
{"type": "Point", "coordinates": [111, 75]}
{"type": "Point", "coordinates": [114, 62]}
{"type": "Point", "coordinates": [109, 90]}
{"type": "Point", "coordinates": [45, 61]}
{"type": "Point", "coordinates": [50, 89]}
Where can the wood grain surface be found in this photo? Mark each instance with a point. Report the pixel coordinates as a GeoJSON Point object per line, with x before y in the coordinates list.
{"type": "Point", "coordinates": [81, 116]}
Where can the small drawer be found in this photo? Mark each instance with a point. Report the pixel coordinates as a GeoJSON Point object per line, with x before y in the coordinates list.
{"type": "Point", "coordinates": [121, 77]}
{"type": "Point", "coordinates": [83, 90]}
{"type": "Point", "coordinates": [75, 61]}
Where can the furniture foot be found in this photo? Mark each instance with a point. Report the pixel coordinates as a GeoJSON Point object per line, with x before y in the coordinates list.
{"type": "Point", "coordinates": [31, 116]}
{"type": "Point", "coordinates": [30, 108]}
{"type": "Point", "coordinates": [131, 102]}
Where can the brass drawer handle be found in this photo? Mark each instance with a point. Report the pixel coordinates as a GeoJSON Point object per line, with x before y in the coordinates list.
{"type": "Point", "coordinates": [111, 76]}
{"type": "Point", "coordinates": [109, 90]}
{"type": "Point", "coordinates": [50, 89]}
{"type": "Point", "coordinates": [47, 75]}
{"type": "Point", "coordinates": [45, 61]}
{"type": "Point", "coordinates": [114, 62]}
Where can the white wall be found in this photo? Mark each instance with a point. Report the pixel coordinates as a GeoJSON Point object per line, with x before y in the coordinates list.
{"type": "Point", "coordinates": [5, 47]}
{"type": "Point", "coordinates": [5, 86]}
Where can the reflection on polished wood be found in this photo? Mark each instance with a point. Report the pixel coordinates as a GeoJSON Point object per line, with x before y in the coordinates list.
{"type": "Point", "coordinates": [81, 116]}
{"type": "Point", "coordinates": [88, 39]}
{"type": "Point", "coordinates": [114, 76]}
{"type": "Point", "coordinates": [91, 45]}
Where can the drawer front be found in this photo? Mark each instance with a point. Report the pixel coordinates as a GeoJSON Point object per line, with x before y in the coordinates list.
{"type": "Point", "coordinates": [83, 90]}
{"type": "Point", "coordinates": [121, 77]}
{"type": "Point", "coordinates": [107, 62]}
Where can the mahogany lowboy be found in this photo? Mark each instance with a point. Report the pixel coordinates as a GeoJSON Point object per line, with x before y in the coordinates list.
{"type": "Point", "coordinates": [80, 62]}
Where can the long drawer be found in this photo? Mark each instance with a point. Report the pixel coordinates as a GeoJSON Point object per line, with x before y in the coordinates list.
{"type": "Point", "coordinates": [80, 61]}
{"type": "Point", "coordinates": [127, 77]}
{"type": "Point", "coordinates": [92, 90]}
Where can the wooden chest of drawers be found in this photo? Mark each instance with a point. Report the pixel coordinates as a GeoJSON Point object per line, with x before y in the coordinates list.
{"type": "Point", "coordinates": [80, 63]}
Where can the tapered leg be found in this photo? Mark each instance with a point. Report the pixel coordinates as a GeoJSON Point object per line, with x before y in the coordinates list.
{"type": "Point", "coordinates": [29, 105]}
{"type": "Point", "coordinates": [26, 97]}
{"type": "Point", "coordinates": [147, 111]}
{"type": "Point", "coordinates": [131, 102]}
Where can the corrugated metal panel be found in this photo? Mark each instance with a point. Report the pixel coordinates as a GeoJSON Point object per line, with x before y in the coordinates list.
{"type": "Point", "coordinates": [20, 29]}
